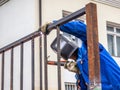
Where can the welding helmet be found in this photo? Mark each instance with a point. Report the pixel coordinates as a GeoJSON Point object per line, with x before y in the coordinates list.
{"type": "Point", "coordinates": [67, 48]}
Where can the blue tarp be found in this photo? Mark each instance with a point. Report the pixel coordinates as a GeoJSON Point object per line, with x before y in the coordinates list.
{"type": "Point", "coordinates": [109, 69]}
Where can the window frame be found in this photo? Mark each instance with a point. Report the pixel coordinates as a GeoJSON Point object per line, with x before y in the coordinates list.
{"type": "Point", "coordinates": [115, 34]}
{"type": "Point", "coordinates": [70, 86]}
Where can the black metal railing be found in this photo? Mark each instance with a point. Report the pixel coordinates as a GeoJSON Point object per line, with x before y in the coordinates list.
{"type": "Point", "coordinates": [11, 47]}
{"type": "Point", "coordinates": [21, 43]}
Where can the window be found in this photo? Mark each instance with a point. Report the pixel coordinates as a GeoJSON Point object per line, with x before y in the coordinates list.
{"type": "Point", "coordinates": [69, 36]}
{"type": "Point", "coordinates": [113, 38]}
{"type": "Point", "coordinates": [70, 86]}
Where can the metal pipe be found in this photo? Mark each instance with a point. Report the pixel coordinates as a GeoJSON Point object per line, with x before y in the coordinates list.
{"type": "Point", "coordinates": [55, 63]}
{"type": "Point", "coordinates": [58, 58]}
{"type": "Point", "coordinates": [2, 77]}
{"type": "Point", "coordinates": [40, 46]}
{"type": "Point", "coordinates": [32, 63]}
{"type": "Point", "coordinates": [40, 43]}
{"type": "Point", "coordinates": [51, 26]}
{"type": "Point", "coordinates": [68, 18]}
{"type": "Point", "coordinates": [22, 40]}
{"type": "Point", "coordinates": [12, 64]}
{"type": "Point", "coordinates": [45, 63]}
{"type": "Point", "coordinates": [21, 65]}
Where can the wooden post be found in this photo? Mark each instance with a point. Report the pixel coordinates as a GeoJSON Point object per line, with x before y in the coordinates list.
{"type": "Point", "coordinates": [93, 47]}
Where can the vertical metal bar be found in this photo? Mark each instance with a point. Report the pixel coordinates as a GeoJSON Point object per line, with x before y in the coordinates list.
{"type": "Point", "coordinates": [2, 77]}
{"type": "Point", "coordinates": [45, 62]}
{"type": "Point", "coordinates": [32, 63]}
{"type": "Point", "coordinates": [58, 58]}
{"type": "Point", "coordinates": [21, 66]}
{"type": "Point", "coordinates": [96, 45]}
{"type": "Point", "coordinates": [78, 88]}
{"type": "Point", "coordinates": [90, 45]}
{"type": "Point", "coordinates": [11, 75]}
{"type": "Point", "coordinates": [40, 12]}
{"type": "Point", "coordinates": [40, 44]}
{"type": "Point", "coordinates": [93, 45]}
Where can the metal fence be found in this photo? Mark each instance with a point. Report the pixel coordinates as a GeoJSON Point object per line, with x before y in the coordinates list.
{"type": "Point", "coordinates": [90, 11]}
{"type": "Point", "coordinates": [20, 43]}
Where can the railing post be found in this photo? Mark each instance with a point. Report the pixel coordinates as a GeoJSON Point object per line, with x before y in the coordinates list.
{"type": "Point", "coordinates": [93, 47]}
{"type": "Point", "coordinates": [92, 42]}
{"type": "Point", "coordinates": [2, 77]}
{"type": "Point", "coordinates": [58, 58]}
{"type": "Point", "coordinates": [40, 49]}
{"type": "Point", "coordinates": [12, 65]}
{"type": "Point", "coordinates": [45, 64]}
{"type": "Point", "coordinates": [21, 65]}
{"type": "Point", "coordinates": [32, 64]}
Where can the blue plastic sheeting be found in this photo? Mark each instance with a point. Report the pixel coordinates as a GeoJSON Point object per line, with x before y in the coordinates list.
{"type": "Point", "coordinates": [110, 71]}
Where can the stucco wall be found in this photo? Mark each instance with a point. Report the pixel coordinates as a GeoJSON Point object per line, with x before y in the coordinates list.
{"type": "Point", "coordinates": [18, 18]}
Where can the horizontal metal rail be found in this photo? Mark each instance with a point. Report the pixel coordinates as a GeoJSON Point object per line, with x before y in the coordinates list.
{"type": "Point", "coordinates": [68, 18]}
{"type": "Point", "coordinates": [56, 63]}
{"type": "Point", "coordinates": [22, 40]}
{"type": "Point", "coordinates": [31, 37]}
{"type": "Point", "coordinates": [51, 26]}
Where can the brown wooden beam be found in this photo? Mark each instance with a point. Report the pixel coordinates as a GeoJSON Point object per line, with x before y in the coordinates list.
{"type": "Point", "coordinates": [93, 45]}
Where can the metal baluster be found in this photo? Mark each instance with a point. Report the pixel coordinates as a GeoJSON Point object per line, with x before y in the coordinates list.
{"type": "Point", "coordinates": [45, 63]}
{"type": "Point", "coordinates": [11, 75]}
{"type": "Point", "coordinates": [32, 62]}
{"type": "Point", "coordinates": [2, 77]}
{"type": "Point", "coordinates": [21, 66]}
{"type": "Point", "coordinates": [40, 45]}
{"type": "Point", "coordinates": [58, 58]}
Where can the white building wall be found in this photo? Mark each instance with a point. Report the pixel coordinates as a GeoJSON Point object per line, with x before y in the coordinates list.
{"type": "Point", "coordinates": [18, 18]}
